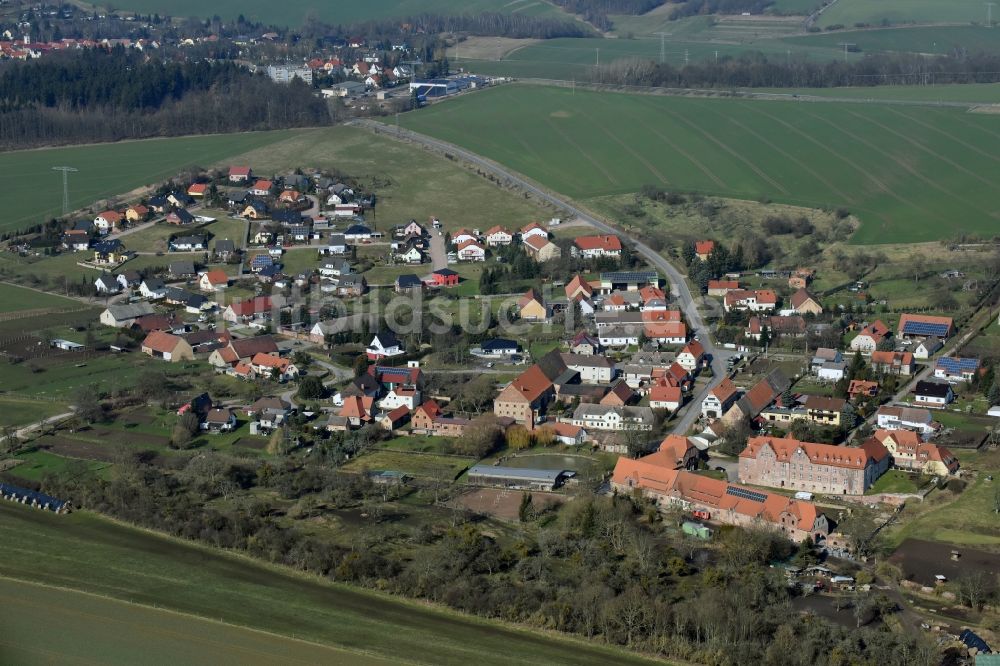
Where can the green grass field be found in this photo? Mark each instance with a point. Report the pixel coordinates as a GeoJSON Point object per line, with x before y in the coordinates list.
{"type": "Point", "coordinates": [875, 160]}
{"type": "Point", "coordinates": [417, 464]}
{"type": "Point", "coordinates": [17, 299]}
{"type": "Point", "coordinates": [143, 635]}
{"type": "Point", "coordinates": [966, 519]}
{"type": "Point", "coordinates": [849, 12]}
{"type": "Point", "coordinates": [18, 411]}
{"type": "Point", "coordinates": [972, 93]}
{"type": "Point", "coordinates": [938, 40]}
{"type": "Point", "coordinates": [87, 553]}
{"type": "Point", "coordinates": [33, 191]}
{"type": "Point", "coordinates": [894, 481]}
{"type": "Point", "coordinates": [338, 12]}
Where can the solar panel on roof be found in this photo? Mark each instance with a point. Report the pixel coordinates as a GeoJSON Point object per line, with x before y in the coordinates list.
{"type": "Point", "coordinates": [744, 493]}
{"type": "Point", "coordinates": [630, 276]}
{"type": "Point", "coordinates": [952, 364]}
{"type": "Point", "coordinates": [925, 328]}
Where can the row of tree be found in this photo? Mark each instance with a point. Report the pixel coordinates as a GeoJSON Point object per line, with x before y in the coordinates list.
{"type": "Point", "coordinates": [758, 70]}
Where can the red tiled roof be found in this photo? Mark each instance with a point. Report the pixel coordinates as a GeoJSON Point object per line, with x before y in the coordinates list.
{"type": "Point", "coordinates": [606, 242]}
{"type": "Point", "coordinates": [665, 394]}
{"type": "Point", "coordinates": [725, 390]}
{"type": "Point", "coordinates": [161, 341]}
{"type": "Point", "coordinates": [704, 247]}
{"type": "Point", "coordinates": [819, 454]}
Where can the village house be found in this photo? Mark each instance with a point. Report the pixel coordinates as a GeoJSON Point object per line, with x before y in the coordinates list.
{"type": "Point", "coordinates": [197, 190]}
{"type": "Point", "coordinates": [909, 452]}
{"type": "Point", "coordinates": [703, 249]}
{"type": "Point", "coordinates": [719, 501]}
{"type": "Point", "coordinates": [628, 280]}
{"type": "Point", "coordinates": [816, 409]}
{"type": "Point", "coordinates": [722, 287]}
{"type": "Point", "coordinates": [531, 307]}
{"type": "Point", "coordinates": [800, 278]}
{"type": "Point", "coordinates": [188, 243]}
{"type": "Point", "coordinates": [385, 344]}
{"type": "Point", "coordinates": [869, 337]}
{"type": "Point", "coordinates": [893, 363]}
{"type": "Point", "coordinates": [610, 418]}
{"type": "Point", "coordinates": [242, 350]}
{"type": "Point", "coordinates": [692, 356]}
{"type": "Point", "coordinates": [107, 284]}
{"type": "Point", "coordinates": [152, 288]}
{"type": "Point", "coordinates": [262, 188]}
{"type": "Point", "coordinates": [533, 229]}
{"type": "Point", "coordinates": [125, 314]}
{"type": "Point", "coordinates": [540, 248]}
{"type": "Point", "coordinates": [666, 397]}
{"type": "Point", "coordinates": [394, 419]}
{"type": "Point", "coordinates": [954, 369]}
{"type": "Point", "coordinates": [777, 326]}
{"type": "Point", "coordinates": [591, 247]}
{"type": "Point", "coordinates": [762, 394]}
{"type": "Point", "coordinates": [461, 236]}
{"type": "Point", "coordinates": [497, 235]}
{"type": "Point", "coordinates": [566, 433]}
{"type": "Point", "coordinates": [171, 348]}
{"type": "Point", "coordinates": [859, 388]}
{"type": "Point", "coordinates": [932, 394]}
{"type": "Point", "coordinates": [220, 419]}
{"type": "Point", "coordinates": [758, 300]}
{"type": "Point", "coordinates": [270, 412]}
{"type": "Point", "coordinates": [243, 311]}
{"type": "Point", "coordinates": [916, 419]}
{"type": "Point", "coordinates": [927, 347]}
{"type": "Point", "coordinates": [273, 367]}
{"type": "Point", "coordinates": [240, 174]}
{"type": "Point", "coordinates": [107, 222]}
{"type": "Point", "coordinates": [109, 252]}
{"type": "Point", "coordinates": [584, 344]}
{"type": "Point", "coordinates": [407, 283]}
{"type": "Point", "coordinates": [805, 303]}
{"type": "Point", "coordinates": [525, 398]}
{"type": "Point", "coordinates": [136, 213]}
{"type": "Point", "coordinates": [496, 348]}
{"type": "Point", "coordinates": [824, 468]}
{"type": "Point", "coordinates": [444, 277]}
{"type": "Point", "coordinates": [212, 280]}
{"type": "Point", "coordinates": [77, 240]}
{"type": "Point", "coordinates": [471, 250]}
{"type": "Point", "coordinates": [718, 401]}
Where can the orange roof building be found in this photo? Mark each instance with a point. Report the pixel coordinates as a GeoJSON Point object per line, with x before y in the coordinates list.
{"type": "Point", "coordinates": [656, 476]}
{"type": "Point", "coordinates": [784, 462]}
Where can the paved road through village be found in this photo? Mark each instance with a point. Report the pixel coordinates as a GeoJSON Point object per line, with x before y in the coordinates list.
{"type": "Point", "coordinates": [678, 287]}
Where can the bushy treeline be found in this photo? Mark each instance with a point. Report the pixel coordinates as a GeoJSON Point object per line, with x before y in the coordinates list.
{"type": "Point", "coordinates": [596, 12]}
{"type": "Point", "coordinates": [100, 96]}
{"type": "Point", "coordinates": [600, 568]}
{"type": "Point", "coordinates": [758, 70]}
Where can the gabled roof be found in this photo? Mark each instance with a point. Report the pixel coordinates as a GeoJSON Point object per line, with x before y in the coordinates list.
{"type": "Point", "coordinates": [892, 358]}
{"type": "Point", "coordinates": [251, 347]}
{"type": "Point", "coordinates": [784, 449]}
{"type": "Point", "coordinates": [725, 390]}
{"type": "Point", "coordinates": [251, 306]}
{"type": "Point", "coordinates": [694, 348]}
{"type": "Point", "coordinates": [263, 185]}
{"type": "Point", "coordinates": [530, 384]}
{"type": "Point", "coordinates": [801, 297]}
{"type": "Point", "coordinates": [217, 276]}
{"type": "Point", "coordinates": [531, 295]}
{"type": "Point", "coordinates": [536, 242]}
{"type": "Point", "coordinates": [954, 365]}
{"type": "Point", "coordinates": [161, 341]}
{"type": "Point", "coordinates": [932, 389]}
{"type": "Point", "coordinates": [239, 171]}
{"type": "Point", "coordinates": [925, 325]}
{"type": "Point", "coordinates": [704, 246]}
{"type": "Point", "coordinates": [606, 243]}
{"type": "Point", "coordinates": [665, 394]}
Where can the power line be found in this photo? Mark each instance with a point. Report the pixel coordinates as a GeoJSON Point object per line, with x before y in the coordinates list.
{"type": "Point", "coordinates": [663, 45]}
{"type": "Point", "coordinates": [65, 175]}
{"type": "Point", "coordinates": [845, 45]}
{"type": "Point", "coordinates": [989, 13]}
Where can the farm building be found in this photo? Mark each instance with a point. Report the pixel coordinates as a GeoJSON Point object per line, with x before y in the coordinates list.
{"type": "Point", "coordinates": [33, 498]}
{"type": "Point", "coordinates": [517, 478]}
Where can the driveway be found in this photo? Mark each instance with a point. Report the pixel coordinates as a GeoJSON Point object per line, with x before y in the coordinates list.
{"type": "Point", "coordinates": [439, 253]}
{"type": "Point", "coordinates": [678, 287]}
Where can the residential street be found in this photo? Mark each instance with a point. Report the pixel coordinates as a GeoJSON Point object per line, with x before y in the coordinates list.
{"type": "Point", "coordinates": [678, 287]}
{"type": "Point", "coordinates": [439, 253]}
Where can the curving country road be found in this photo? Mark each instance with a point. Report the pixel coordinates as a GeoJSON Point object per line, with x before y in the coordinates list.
{"type": "Point", "coordinates": [678, 287]}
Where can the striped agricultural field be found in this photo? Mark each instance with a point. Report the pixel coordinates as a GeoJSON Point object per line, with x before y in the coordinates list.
{"type": "Point", "coordinates": [910, 173]}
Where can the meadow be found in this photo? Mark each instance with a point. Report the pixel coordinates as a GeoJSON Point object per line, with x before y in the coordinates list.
{"type": "Point", "coordinates": [295, 13]}
{"type": "Point", "coordinates": [142, 635]}
{"type": "Point", "coordinates": [967, 93]}
{"type": "Point", "coordinates": [33, 191]}
{"type": "Point", "coordinates": [124, 563]}
{"type": "Point", "coordinates": [908, 174]}
{"type": "Point", "coordinates": [940, 40]}
{"type": "Point", "coordinates": [19, 299]}
{"type": "Point", "coordinates": [850, 12]}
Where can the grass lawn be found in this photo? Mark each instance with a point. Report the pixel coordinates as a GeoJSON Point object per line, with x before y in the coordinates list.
{"type": "Point", "coordinates": [894, 481]}
{"type": "Point", "coordinates": [51, 271]}
{"type": "Point", "coordinates": [36, 464]}
{"type": "Point", "coordinates": [415, 464]}
{"type": "Point", "coordinates": [18, 412]}
{"type": "Point", "coordinates": [145, 568]}
{"type": "Point", "coordinates": [419, 443]}
{"type": "Point", "coordinates": [871, 159]}
{"type": "Point", "coordinates": [140, 632]}
{"type": "Point", "coordinates": [15, 299]}
{"type": "Point", "coordinates": [108, 169]}
{"type": "Point", "coordinates": [106, 372]}
{"type": "Point", "coordinates": [940, 40]}
{"type": "Point", "coordinates": [965, 519]}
